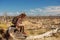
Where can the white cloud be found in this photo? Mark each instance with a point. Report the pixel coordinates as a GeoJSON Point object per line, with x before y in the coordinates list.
{"type": "Point", "coordinates": [50, 10]}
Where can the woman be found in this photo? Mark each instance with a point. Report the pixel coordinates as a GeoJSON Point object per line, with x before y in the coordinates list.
{"type": "Point", "coordinates": [17, 25]}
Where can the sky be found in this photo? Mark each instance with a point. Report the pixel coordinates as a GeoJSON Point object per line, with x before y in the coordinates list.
{"type": "Point", "coordinates": [30, 7]}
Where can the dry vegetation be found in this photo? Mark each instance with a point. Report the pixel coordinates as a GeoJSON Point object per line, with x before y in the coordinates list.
{"type": "Point", "coordinates": [36, 25]}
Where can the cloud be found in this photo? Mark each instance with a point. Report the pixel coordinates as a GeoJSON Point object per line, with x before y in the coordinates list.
{"type": "Point", "coordinates": [50, 10]}
{"type": "Point", "coordinates": [44, 11]}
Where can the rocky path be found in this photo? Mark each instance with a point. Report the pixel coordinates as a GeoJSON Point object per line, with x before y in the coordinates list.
{"type": "Point", "coordinates": [18, 36]}
{"type": "Point", "coordinates": [47, 34]}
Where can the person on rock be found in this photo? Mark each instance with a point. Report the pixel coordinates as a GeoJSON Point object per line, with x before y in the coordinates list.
{"type": "Point", "coordinates": [17, 25]}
